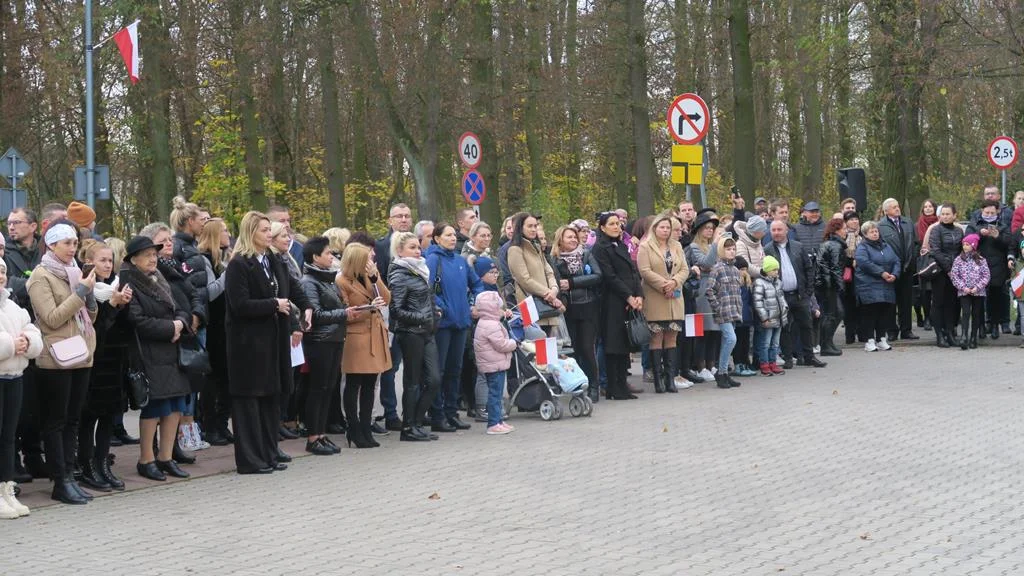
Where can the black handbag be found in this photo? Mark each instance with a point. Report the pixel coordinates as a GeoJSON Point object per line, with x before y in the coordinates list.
{"type": "Point", "coordinates": [193, 357]}
{"type": "Point", "coordinates": [545, 310]}
{"type": "Point", "coordinates": [637, 330]}
{"type": "Point", "coordinates": [927, 267]}
{"type": "Point", "coordinates": [138, 382]}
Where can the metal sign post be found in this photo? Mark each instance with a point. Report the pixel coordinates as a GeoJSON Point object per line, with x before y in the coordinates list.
{"type": "Point", "coordinates": [1003, 154]}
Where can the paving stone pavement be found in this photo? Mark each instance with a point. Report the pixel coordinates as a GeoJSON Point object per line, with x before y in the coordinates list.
{"type": "Point", "coordinates": [891, 463]}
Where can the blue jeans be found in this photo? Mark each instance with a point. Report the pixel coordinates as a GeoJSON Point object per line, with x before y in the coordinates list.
{"type": "Point", "coordinates": [451, 346]}
{"type": "Point", "coordinates": [728, 343]}
{"type": "Point", "coordinates": [766, 343]}
{"type": "Point", "coordinates": [388, 397]}
{"type": "Point", "coordinates": [495, 392]}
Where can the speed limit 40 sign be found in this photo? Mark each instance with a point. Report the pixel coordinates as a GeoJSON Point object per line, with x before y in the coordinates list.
{"type": "Point", "coordinates": [1003, 152]}
{"type": "Point", "coordinates": [469, 150]}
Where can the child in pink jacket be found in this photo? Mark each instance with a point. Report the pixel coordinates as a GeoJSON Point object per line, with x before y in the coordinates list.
{"type": "Point", "coordinates": [493, 348]}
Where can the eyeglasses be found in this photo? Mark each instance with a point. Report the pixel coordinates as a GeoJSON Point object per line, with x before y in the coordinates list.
{"type": "Point", "coordinates": [16, 222]}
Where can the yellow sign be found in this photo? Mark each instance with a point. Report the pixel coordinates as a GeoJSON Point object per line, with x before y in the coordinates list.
{"type": "Point", "coordinates": [687, 164]}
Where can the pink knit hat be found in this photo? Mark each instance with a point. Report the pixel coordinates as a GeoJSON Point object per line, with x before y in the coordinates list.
{"type": "Point", "coordinates": [973, 240]}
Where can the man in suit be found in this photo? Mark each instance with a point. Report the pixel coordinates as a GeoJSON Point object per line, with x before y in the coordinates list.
{"type": "Point", "coordinates": [899, 234]}
{"type": "Point", "coordinates": [797, 274]}
{"type": "Point", "coordinates": [280, 214]}
{"type": "Point", "coordinates": [399, 220]}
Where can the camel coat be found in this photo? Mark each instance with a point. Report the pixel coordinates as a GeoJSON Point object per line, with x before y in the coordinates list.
{"type": "Point", "coordinates": [367, 350]}
{"type": "Point", "coordinates": [55, 305]}
{"type": "Point", "coordinates": [532, 274]}
{"type": "Point", "coordinates": [651, 263]}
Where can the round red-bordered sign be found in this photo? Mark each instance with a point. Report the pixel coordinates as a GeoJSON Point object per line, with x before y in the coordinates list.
{"type": "Point", "coordinates": [688, 119]}
{"type": "Point", "coordinates": [473, 188]}
{"type": "Point", "coordinates": [1003, 153]}
{"type": "Point", "coordinates": [470, 151]}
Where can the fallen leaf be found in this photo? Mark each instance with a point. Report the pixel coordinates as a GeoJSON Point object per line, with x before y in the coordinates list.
{"type": "Point", "coordinates": [434, 496]}
{"type": "Point", "coordinates": [865, 536]}
{"type": "Point", "coordinates": [755, 465]}
{"type": "Point", "coordinates": [780, 569]}
{"type": "Point", "coordinates": [664, 428]}
{"type": "Point", "coordinates": [835, 392]}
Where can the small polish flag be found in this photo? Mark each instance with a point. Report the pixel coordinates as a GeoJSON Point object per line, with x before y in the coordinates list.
{"type": "Point", "coordinates": [547, 350]}
{"type": "Point", "coordinates": [127, 40]}
{"type": "Point", "coordinates": [528, 310]}
{"type": "Point", "coordinates": [694, 325]}
{"type": "Point", "coordinates": [1017, 284]}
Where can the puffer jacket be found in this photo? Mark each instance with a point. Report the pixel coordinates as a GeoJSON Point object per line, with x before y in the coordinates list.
{"type": "Point", "coordinates": [186, 297]}
{"type": "Point", "coordinates": [413, 309]}
{"type": "Point", "coordinates": [491, 343]}
{"type": "Point", "coordinates": [831, 262]}
{"type": "Point", "coordinates": [458, 284]}
{"type": "Point", "coordinates": [191, 264]}
{"type": "Point", "coordinates": [970, 272]}
{"type": "Point", "coordinates": [769, 302]}
{"type": "Point", "coordinates": [14, 321]}
{"type": "Point", "coordinates": [723, 293]}
{"type": "Point", "coordinates": [329, 318]}
{"type": "Point", "coordinates": [751, 250]}
{"type": "Point", "coordinates": [995, 249]}
{"type": "Point", "coordinates": [810, 235]}
{"type": "Point", "coordinates": [584, 288]}
{"type": "Point", "coordinates": [944, 244]}
{"type": "Point", "coordinates": [874, 258]}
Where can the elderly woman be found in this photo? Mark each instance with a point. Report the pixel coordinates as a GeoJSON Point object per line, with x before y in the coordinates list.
{"type": "Point", "coordinates": [663, 269]}
{"type": "Point", "coordinates": [580, 288]}
{"type": "Point", "coordinates": [530, 270]}
{"type": "Point", "coordinates": [367, 351]}
{"type": "Point", "coordinates": [65, 310]}
{"type": "Point", "coordinates": [159, 324]}
{"type": "Point", "coordinates": [877, 270]}
{"type": "Point", "coordinates": [259, 292]}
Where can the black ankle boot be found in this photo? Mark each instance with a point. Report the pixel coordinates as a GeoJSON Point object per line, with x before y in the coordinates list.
{"type": "Point", "coordinates": [940, 338]}
{"type": "Point", "coordinates": [657, 370]}
{"type": "Point", "coordinates": [103, 465]}
{"type": "Point", "coordinates": [965, 338]}
{"type": "Point", "coordinates": [669, 368]}
{"type": "Point", "coordinates": [722, 381]}
{"type": "Point", "coordinates": [951, 336]}
{"type": "Point", "coordinates": [93, 478]}
{"type": "Point", "coordinates": [21, 476]}
{"type": "Point", "coordinates": [354, 435]}
{"type": "Point", "coordinates": [64, 491]}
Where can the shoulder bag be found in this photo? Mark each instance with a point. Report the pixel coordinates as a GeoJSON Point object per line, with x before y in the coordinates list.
{"type": "Point", "coordinates": [138, 382]}
{"type": "Point", "coordinates": [637, 330]}
{"type": "Point", "coordinates": [927, 267]}
{"type": "Point", "coordinates": [193, 358]}
{"type": "Point", "coordinates": [70, 351]}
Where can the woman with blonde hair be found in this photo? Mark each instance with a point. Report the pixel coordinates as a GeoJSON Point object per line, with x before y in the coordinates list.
{"type": "Point", "coordinates": [280, 240]}
{"type": "Point", "coordinates": [259, 293]}
{"type": "Point", "coordinates": [215, 400]}
{"type": "Point", "coordinates": [367, 351]}
{"type": "Point", "coordinates": [663, 269]}
{"type": "Point", "coordinates": [338, 238]}
{"type": "Point", "coordinates": [479, 243]}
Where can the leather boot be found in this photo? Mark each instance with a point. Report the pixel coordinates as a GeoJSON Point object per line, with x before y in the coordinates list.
{"type": "Point", "coordinates": [657, 370]}
{"type": "Point", "coordinates": [108, 474]}
{"type": "Point", "coordinates": [940, 338]}
{"type": "Point", "coordinates": [368, 435]}
{"type": "Point", "coordinates": [93, 478]}
{"type": "Point", "coordinates": [965, 336]}
{"type": "Point", "coordinates": [974, 337]}
{"type": "Point", "coordinates": [670, 367]}
{"type": "Point", "coordinates": [64, 491]}
{"type": "Point", "coordinates": [828, 329]}
{"type": "Point", "coordinates": [951, 336]}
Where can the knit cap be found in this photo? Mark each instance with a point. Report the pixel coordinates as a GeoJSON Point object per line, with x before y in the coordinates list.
{"type": "Point", "coordinates": [741, 263]}
{"type": "Point", "coordinates": [81, 214]}
{"type": "Point", "coordinates": [973, 240]}
{"type": "Point", "coordinates": [769, 264]}
{"type": "Point", "coordinates": [756, 224]}
{"type": "Point", "coordinates": [483, 265]}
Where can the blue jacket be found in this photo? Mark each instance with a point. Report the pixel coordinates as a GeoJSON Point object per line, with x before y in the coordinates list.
{"type": "Point", "coordinates": [872, 259]}
{"type": "Point", "coordinates": [747, 296]}
{"type": "Point", "coordinates": [459, 285]}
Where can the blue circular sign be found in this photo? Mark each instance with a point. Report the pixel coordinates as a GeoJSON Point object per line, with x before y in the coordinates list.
{"type": "Point", "coordinates": [473, 188]}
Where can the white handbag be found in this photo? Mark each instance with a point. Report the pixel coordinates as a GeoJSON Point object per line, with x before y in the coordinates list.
{"type": "Point", "coordinates": [70, 351]}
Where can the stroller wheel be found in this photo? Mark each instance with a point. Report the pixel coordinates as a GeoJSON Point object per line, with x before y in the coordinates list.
{"type": "Point", "coordinates": [547, 410]}
{"type": "Point", "coordinates": [558, 410]}
{"type": "Point", "coordinates": [588, 406]}
{"type": "Point", "coordinates": [576, 407]}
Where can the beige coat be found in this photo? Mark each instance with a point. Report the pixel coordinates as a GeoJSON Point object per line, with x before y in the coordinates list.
{"type": "Point", "coordinates": [56, 305]}
{"type": "Point", "coordinates": [532, 274]}
{"type": "Point", "coordinates": [367, 350]}
{"type": "Point", "coordinates": [655, 276]}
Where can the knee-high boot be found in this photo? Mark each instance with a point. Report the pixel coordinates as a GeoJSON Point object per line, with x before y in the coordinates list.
{"type": "Point", "coordinates": [670, 367]}
{"type": "Point", "coordinates": [658, 370]}
{"type": "Point", "coordinates": [829, 324]}
{"type": "Point", "coordinates": [965, 326]}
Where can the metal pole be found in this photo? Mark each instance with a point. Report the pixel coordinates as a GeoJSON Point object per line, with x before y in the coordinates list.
{"type": "Point", "coordinates": [703, 173]}
{"type": "Point", "coordinates": [90, 152]}
{"type": "Point", "coordinates": [14, 181]}
{"type": "Point", "coordinates": [1004, 187]}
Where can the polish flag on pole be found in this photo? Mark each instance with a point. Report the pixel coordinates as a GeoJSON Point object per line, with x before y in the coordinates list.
{"type": "Point", "coordinates": [1017, 284]}
{"type": "Point", "coordinates": [528, 310]}
{"type": "Point", "coordinates": [127, 40]}
{"type": "Point", "coordinates": [547, 350]}
{"type": "Point", "coordinates": [694, 325]}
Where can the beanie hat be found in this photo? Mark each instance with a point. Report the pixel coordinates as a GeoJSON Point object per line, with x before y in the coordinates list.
{"type": "Point", "coordinates": [850, 215]}
{"type": "Point", "coordinates": [757, 224]}
{"type": "Point", "coordinates": [973, 240]}
{"type": "Point", "coordinates": [741, 263]}
{"type": "Point", "coordinates": [81, 214]}
{"type": "Point", "coordinates": [483, 265]}
{"type": "Point", "coordinates": [769, 264]}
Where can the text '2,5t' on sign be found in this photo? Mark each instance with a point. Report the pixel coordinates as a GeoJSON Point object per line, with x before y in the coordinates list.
{"type": "Point", "coordinates": [469, 150]}
{"type": "Point", "coordinates": [1003, 152]}
{"type": "Point", "coordinates": [688, 119]}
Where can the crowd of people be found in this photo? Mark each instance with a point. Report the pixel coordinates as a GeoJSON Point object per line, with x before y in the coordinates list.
{"type": "Point", "coordinates": [265, 335]}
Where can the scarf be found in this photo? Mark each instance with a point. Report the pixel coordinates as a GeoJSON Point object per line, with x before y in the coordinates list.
{"type": "Point", "coordinates": [104, 291]}
{"type": "Point", "coordinates": [417, 266]}
{"type": "Point", "coordinates": [71, 274]}
{"type": "Point", "coordinates": [923, 223]}
{"type": "Point", "coordinates": [573, 260]}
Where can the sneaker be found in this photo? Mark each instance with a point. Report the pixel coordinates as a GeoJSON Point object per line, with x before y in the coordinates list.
{"type": "Point", "coordinates": [648, 376]}
{"type": "Point", "coordinates": [481, 415]}
{"type": "Point", "coordinates": [185, 437]}
{"type": "Point", "coordinates": [870, 346]}
{"type": "Point", "coordinates": [883, 344]}
{"type": "Point", "coordinates": [8, 497]}
{"type": "Point", "coordinates": [197, 438]}
{"type": "Point", "coordinates": [776, 370]}
{"type": "Point", "coordinates": [507, 426]}
{"type": "Point", "coordinates": [714, 370]}
{"type": "Point", "coordinates": [706, 375]}
{"type": "Point", "coordinates": [379, 430]}
{"type": "Point", "coordinates": [497, 429]}
{"type": "Point", "coordinates": [817, 349]}
{"type": "Point", "coordinates": [766, 369]}
{"type": "Point", "coordinates": [682, 383]}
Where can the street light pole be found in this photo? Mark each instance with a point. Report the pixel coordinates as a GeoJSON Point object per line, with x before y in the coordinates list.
{"type": "Point", "coordinates": [90, 152]}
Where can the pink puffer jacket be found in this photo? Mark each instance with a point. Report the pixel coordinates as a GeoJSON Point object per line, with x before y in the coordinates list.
{"type": "Point", "coordinates": [491, 343]}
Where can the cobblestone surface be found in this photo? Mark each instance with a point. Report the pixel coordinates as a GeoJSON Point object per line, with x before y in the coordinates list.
{"type": "Point", "coordinates": [882, 464]}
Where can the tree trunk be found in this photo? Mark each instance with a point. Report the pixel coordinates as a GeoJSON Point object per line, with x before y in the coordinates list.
{"type": "Point", "coordinates": [333, 162]}
{"type": "Point", "coordinates": [744, 132]}
{"type": "Point", "coordinates": [241, 48]}
{"type": "Point", "coordinates": [807, 17]}
{"type": "Point", "coordinates": [481, 56]}
{"type": "Point", "coordinates": [278, 131]}
{"type": "Point", "coordinates": [531, 106]}
{"type": "Point", "coordinates": [155, 53]}
{"type": "Point", "coordinates": [648, 183]}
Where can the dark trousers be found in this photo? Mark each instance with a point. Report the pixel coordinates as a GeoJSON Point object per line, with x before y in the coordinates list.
{"type": "Point", "coordinates": [972, 314]}
{"type": "Point", "coordinates": [583, 332]}
{"type": "Point", "coordinates": [420, 378]}
{"type": "Point", "coordinates": [618, 365]}
{"type": "Point", "coordinates": [255, 420]}
{"type": "Point", "coordinates": [30, 440]}
{"type": "Point", "coordinates": [215, 402]}
{"type": "Point", "coordinates": [684, 347]}
{"type": "Point", "coordinates": [94, 434]}
{"type": "Point", "coordinates": [10, 410]}
{"type": "Point", "coordinates": [997, 304]}
{"type": "Point", "coordinates": [741, 352]}
{"type": "Point", "coordinates": [850, 312]}
{"type": "Point", "coordinates": [451, 342]}
{"type": "Point", "coordinates": [876, 320]}
{"type": "Point", "coordinates": [706, 349]}
{"type": "Point", "coordinates": [324, 360]}
{"type": "Point", "coordinates": [904, 303]}
{"type": "Point", "coordinates": [359, 387]}
{"type": "Point", "coordinates": [62, 395]}
{"type": "Point", "coordinates": [944, 303]}
{"type": "Point", "coordinates": [388, 397]}
{"type": "Point", "coordinates": [800, 326]}
{"type": "Point", "coordinates": [334, 413]}
{"type": "Point", "coordinates": [467, 379]}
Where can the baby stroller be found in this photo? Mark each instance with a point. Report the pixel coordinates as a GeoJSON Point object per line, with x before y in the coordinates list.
{"type": "Point", "coordinates": [536, 389]}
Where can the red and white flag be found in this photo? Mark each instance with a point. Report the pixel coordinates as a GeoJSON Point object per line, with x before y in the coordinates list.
{"type": "Point", "coordinates": [1017, 284]}
{"type": "Point", "coordinates": [547, 350]}
{"type": "Point", "coordinates": [694, 325]}
{"type": "Point", "coordinates": [127, 40]}
{"type": "Point", "coordinates": [528, 310]}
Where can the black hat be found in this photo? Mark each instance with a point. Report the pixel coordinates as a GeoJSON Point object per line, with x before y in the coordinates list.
{"type": "Point", "coordinates": [139, 244]}
{"type": "Point", "coordinates": [703, 218]}
{"type": "Point", "coordinates": [741, 263]}
{"type": "Point", "coordinates": [850, 215]}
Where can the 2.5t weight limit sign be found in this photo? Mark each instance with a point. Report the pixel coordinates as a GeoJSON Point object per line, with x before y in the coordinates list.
{"type": "Point", "coordinates": [469, 150]}
{"type": "Point", "coordinates": [1003, 152]}
{"type": "Point", "coordinates": [688, 119]}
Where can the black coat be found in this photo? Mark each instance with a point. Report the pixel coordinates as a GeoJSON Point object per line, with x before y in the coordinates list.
{"type": "Point", "coordinates": [903, 241]}
{"type": "Point", "coordinates": [329, 319]}
{"type": "Point", "coordinates": [110, 363]}
{"type": "Point", "coordinates": [584, 295]}
{"type": "Point", "coordinates": [801, 262]}
{"type": "Point", "coordinates": [258, 337]}
{"type": "Point", "coordinates": [382, 254]}
{"type": "Point", "coordinates": [832, 261]}
{"type": "Point", "coordinates": [186, 297]}
{"type": "Point", "coordinates": [216, 335]}
{"type": "Point", "coordinates": [944, 244]}
{"type": "Point", "coordinates": [413, 309]}
{"type": "Point", "coordinates": [191, 264]}
{"type": "Point", "coordinates": [995, 249]}
{"type": "Point", "coordinates": [152, 313]}
{"type": "Point", "coordinates": [620, 281]}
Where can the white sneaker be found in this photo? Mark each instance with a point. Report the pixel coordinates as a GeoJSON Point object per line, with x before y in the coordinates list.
{"type": "Point", "coordinates": [869, 346]}
{"type": "Point", "coordinates": [7, 496]}
{"type": "Point", "coordinates": [817, 349]}
{"type": "Point", "coordinates": [184, 437]}
{"type": "Point", "coordinates": [706, 375]}
{"type": "Point", "coordinates": [682, 383]}
{"type": "Point", "coordinates": [714, 370]}
{"type": "Point", "coordinates": [883, 344]}
{"type": "Point", "coordinates": [197, 438]}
